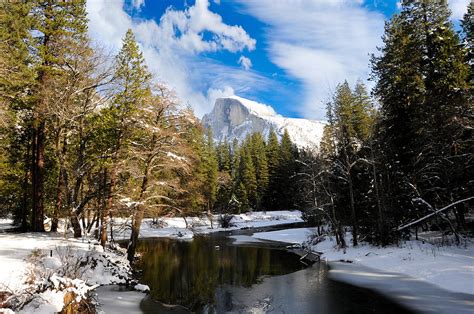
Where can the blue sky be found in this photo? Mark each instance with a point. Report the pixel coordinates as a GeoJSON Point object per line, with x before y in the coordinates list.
{"type": "Point", "coordinates": [290, 54]}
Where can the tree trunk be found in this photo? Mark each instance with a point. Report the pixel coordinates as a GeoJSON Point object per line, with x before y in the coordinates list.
{"type": "Point", "coordinates": [24, 205]}
{"type": "Point", "coordinates": [380, 223]}
{"type": "Point", "coordinates": [353, 213]}
{"type": "Point", "coordinates": [111, 228]}
{"type": "Point", "coordinates": [341, 235]}
{"type": "Point", "coordinates": [32, 161]}
{"type": "Point", "coordinates": [60, 185]}
{"type": "Point", "coordinates": [103, 203]}
{"type": "Point", "coordinates": [97, 223]}
{"type": "Point", "coordinates": [59, 202]}
{"type": "Point", "coordinates": [209, 216]}
{"type": "Point", "coordinates": [91, 223]}
{"type": "Point", "coordinates": [83, 220]}
{"type": "Point", "coordinates": [136, 224]}
{"type": "Point", "coordinates": [76, 225]}
{"type": "Point", "coordinates": [38, 177]}
{"type": "Point", "coordinates": [137, 219]}
{"type": "Point", "coordinates": [460, 216]}
{"type": "Point", "coordinates": [337, 227]}
{"type": "Point", "coordinates": [107, 209]}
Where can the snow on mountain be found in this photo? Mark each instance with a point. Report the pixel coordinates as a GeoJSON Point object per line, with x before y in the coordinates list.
{"type": "Point", "coordinates": [255, 108]}
{"type": "Point", "coordinates": [235, 117]}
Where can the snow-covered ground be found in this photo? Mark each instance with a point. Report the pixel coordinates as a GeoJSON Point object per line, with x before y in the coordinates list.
{"type": "Point", "coordinates": [293, 236]}
{"type": "Point", "coordinates": [175, 227]}
{"type": "Point", "coordinates": [32, 262]}
{"type": "Point", "coordinates": [49, 266]}
{"type": "Point", "coordinates": [5, 224]}
{"type": "Point", "coordinates": [449, 267]}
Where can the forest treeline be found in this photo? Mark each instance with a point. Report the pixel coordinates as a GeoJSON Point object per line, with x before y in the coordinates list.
{"type": "Point", "coordinates": [87, 136]}
{"type": "Point", "coordinates": [404, 161]}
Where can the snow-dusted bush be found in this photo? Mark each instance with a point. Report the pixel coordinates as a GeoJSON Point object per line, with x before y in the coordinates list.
{"type": "Point", "coordinates": [65, 276]}
{"type": "Point", "coordinates": [225, 220]}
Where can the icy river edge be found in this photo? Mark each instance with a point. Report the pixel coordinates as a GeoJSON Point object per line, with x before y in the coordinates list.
{"type": "Point", "coordinates": [420, 261]}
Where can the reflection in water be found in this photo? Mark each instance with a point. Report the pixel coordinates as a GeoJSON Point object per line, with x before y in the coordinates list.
{"type": "Point", "coordinates": [189, 273]}
{"type": "Point", "coordinates": [209, 275]}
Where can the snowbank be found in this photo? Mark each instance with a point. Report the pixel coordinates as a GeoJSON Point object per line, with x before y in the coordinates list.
{"type": "Point", "coordinates": [5, 224]}
{"type": "Point", "coordinates": [449, 267]}
{"type": "Point", "coordinates": [47, 265]}
{"type": "Point", "coordinates": [418, 295]}
{"type": "Point", "coordinates": [293, 236]}
{"type": "Point", "coordinates": [175, 227]}
{"type": "Point", "coordinates": [39, 269]}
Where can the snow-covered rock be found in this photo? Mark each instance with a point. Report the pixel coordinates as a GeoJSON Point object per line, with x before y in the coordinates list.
{"type": "Point", "coordinates": [142, 287]}
{"type": "Point", "coordinates": [235, 117]}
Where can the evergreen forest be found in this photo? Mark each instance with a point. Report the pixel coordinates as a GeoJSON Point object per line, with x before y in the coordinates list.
{"type": "Point", "coordinates": [87, 136]}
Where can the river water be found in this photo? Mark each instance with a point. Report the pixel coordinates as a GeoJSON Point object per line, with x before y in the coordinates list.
{"type": "Point", "coordinates": [210, 274]}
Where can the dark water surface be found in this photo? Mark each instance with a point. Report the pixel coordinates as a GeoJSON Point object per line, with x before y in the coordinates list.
{"type": "Point", "coordinates": [211, 275]}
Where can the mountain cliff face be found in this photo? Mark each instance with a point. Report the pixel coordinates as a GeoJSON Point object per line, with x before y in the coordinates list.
{"type": "Point", "coordinates": [235, 117]}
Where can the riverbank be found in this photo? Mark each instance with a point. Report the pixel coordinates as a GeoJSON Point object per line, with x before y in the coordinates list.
{"type": "Point", "coordinates": [187, 228]}
{"type": "Point", "coordinates": [38, 270]}
{"type": "Point", "coordinates": [448, 267]}
{"type": "Point", "coordinates": [41, 272]}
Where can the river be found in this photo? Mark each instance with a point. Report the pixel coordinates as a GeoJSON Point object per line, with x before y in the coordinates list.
{"type": "Point", "coordinates": [211, 274]}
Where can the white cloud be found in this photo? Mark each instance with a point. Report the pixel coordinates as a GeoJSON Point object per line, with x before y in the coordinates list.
{"type": "Point", "coordinates": [458, 8]}
{"type": "Point", "coordinates": [108, 22]}
{"type": "Point", "coordinates": [319, 42]}
{"type": "Point", "coordinates": [138, 4]}
{"type": "Point", "coordinates": [172, 48]}
{"type": "Point", "coordinates": [245, 62]}
{"type": "Point", "coordinates": [213, 94]}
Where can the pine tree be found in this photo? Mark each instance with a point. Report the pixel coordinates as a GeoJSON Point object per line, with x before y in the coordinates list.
{"type": "Point", "coordinates": [247, 176]}
{"type": "Point", "coordinates": [327, 145]}
{"type": "Point", "coordinates": [468, 28]}
{"type": "Point", "coordinates": [132, 89]}
{"type": "Point", "coordinates": [225, 184]}
{"type": "Point", "coordinates": [399, 89]}
{"type": "Point", "coordinates": [42, 37]}
{"type": "Point", "coordinates": [259, 158]}
{"type": "Point", "coordinates": [421, 84]}
{"type": "Point", "coordinates": [344, 116]}
{"type": "Point", "coordinates": [445, 107]}
{"type": "Point", "coordinates": [224, 156]}
{"type": "Point", "coordinates": [273, 165]}
{"type": "Point", "coordinates": [363, 112]}
{"type": "Point", "coordinates": [16, 76]}
{"type": "Point", "coordinates": [241, 197]}
{"type": "Point", "coordinates": [235, 160]}
{"type": "Point", "coordinates": [62, 28]}
{"type": "Point", "coordinates": [345, 129]}
{"type": "Point", "coordinates": [286, 172]}
{"type": "Point", "coordinates": [210, 166]}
